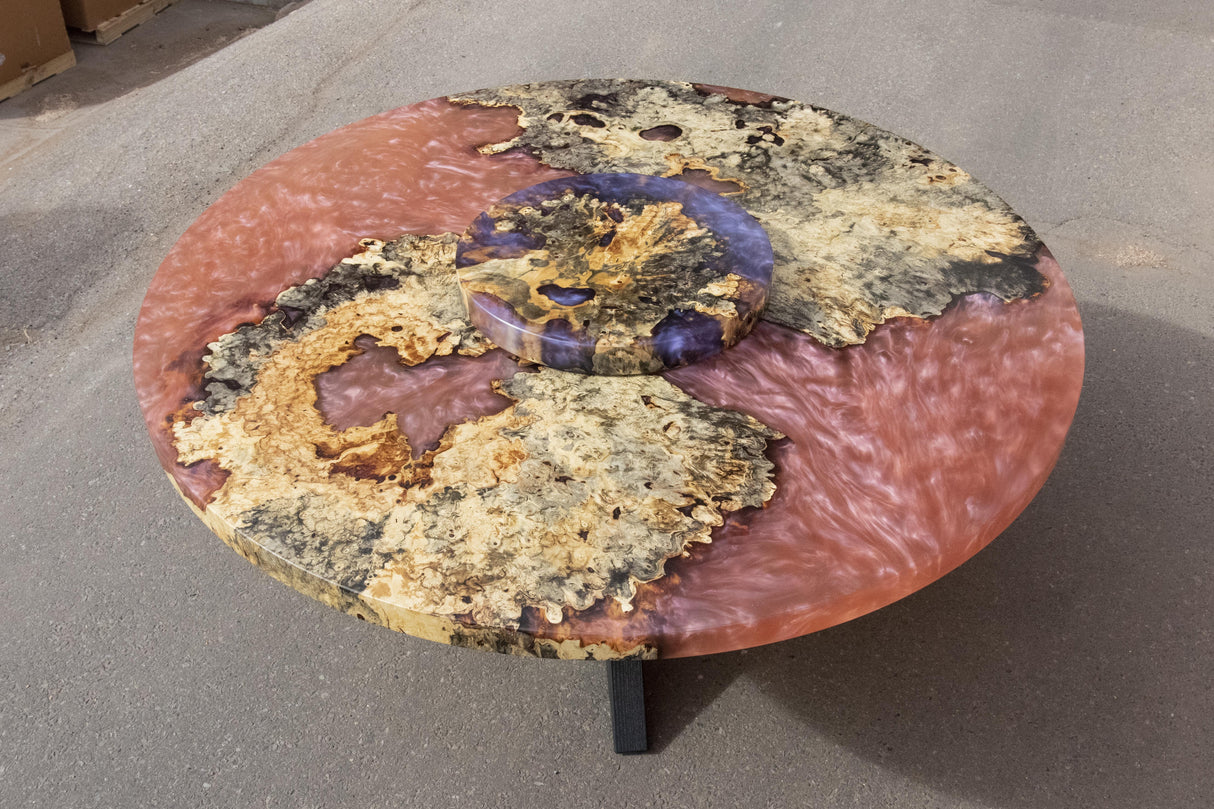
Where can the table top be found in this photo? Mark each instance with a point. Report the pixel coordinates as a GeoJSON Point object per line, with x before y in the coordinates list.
{"type": "Point", "coordinates": [318, 393]}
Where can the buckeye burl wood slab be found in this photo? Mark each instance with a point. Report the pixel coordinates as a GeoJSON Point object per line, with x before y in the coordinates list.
{"type": "Point", "coordinates": [318, 392]}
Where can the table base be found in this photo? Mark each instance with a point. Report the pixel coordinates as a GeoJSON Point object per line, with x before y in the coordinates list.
{"type": "Point", "coordinates": [626, 689]}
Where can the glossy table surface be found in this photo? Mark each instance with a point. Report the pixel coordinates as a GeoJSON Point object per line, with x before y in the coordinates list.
{"type": "Point", "coordinates": [315, 388]}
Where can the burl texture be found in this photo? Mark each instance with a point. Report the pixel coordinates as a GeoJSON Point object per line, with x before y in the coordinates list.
{"type": "Point", "coordinates": [578, 490]}
{"type": "Point", "coordinates": [614, 273]}
{"type": "Point", "coordinates": [865, 226]}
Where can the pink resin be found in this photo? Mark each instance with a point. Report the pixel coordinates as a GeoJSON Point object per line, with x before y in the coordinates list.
{"type": "Point", "coordinates": [904, 456]}
{"type": "Point", "coordinates": [426, 398]}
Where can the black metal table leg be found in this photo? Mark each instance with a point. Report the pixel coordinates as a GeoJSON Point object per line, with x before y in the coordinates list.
{"type": "Point", "coordinates": [626, 687]}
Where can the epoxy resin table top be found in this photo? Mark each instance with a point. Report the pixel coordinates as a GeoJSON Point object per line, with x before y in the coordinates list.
{"type": "Point", "coordinates": [317, 391]}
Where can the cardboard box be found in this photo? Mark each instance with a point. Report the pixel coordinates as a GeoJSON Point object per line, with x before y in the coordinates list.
{"type": "Point", "coordinates": [88, 14]}
{"type": "Point", "coordinates": [33, 44]}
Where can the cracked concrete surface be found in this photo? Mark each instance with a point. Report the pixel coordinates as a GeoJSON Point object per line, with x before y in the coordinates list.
{"type": "Point", "coordinates": [1068, 664]}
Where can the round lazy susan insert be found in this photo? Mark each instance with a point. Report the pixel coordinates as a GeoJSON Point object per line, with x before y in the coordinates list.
{"type": "Point", "coordinates": [614, 273]}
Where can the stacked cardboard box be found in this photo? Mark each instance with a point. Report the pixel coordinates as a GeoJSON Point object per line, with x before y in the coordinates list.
{"type": "Point", "coordinates": [103, 21]}
{"type": "Point", "coordinates": [33, 44]}
{"type": "Point", "coordinates": [88, 14]}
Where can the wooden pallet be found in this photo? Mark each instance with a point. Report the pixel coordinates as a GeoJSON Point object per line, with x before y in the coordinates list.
{"type": "Point", "coordinates": [115, 27]}
{"type": "Point", "coordinates": [31, 77]}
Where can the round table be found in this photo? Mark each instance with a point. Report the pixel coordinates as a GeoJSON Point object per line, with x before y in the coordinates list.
{"type": "Point", "coordinates": [313, 386]}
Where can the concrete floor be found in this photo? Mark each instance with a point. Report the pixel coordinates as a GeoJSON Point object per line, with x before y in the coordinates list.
{"type": "Point", "coordinates": [1068, 665]}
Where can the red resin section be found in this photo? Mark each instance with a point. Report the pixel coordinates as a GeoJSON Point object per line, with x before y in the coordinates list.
{"type": "Point", "coordinates": [426, 398]}
{"type": "Point", "coordinates": [904, 457]}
